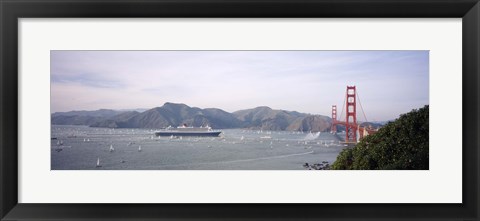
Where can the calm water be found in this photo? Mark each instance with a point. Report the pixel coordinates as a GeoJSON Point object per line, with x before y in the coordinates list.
{"type": "Point", "coordinates": [79, 148]}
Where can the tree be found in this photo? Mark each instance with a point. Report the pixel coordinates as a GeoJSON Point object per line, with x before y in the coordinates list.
{"type": "Point", "coordinates": [399, 145]}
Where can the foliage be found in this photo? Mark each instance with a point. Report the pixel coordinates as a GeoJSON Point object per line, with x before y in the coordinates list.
{"type": "Point", "coordinates": [399, 145]}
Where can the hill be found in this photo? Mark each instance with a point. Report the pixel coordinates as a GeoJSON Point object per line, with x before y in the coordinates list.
{"type": "Point", "coordinates": [82, 117]}
{"type": "Point", "coordinates": [173, 114]}
{"type": "Point", "coordinates": [96, 113]}
{"type": "Point", "coordinates": [117, 121]}
{"type": "Point", "coordinates": [266, 118]}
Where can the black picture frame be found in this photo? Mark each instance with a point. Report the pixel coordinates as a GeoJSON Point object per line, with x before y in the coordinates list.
{"type": "Point", "coordinates": [12, 10]}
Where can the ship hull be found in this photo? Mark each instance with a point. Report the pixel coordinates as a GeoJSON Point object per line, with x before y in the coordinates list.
{"type": "Point", "coordinates": [187, 134]}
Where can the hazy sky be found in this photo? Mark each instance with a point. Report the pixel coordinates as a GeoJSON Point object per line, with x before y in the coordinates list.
{"type": "Point", "coordinates": [388, 82]}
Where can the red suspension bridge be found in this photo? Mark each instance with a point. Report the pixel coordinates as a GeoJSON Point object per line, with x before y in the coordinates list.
{"type": "Point", "coordinates": [353, 130]}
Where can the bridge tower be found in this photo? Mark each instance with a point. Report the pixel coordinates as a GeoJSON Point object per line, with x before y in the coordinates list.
{"type": "Point", "coordinates": [334, 119]}
{"type": "Point", "coordinates": [351, 118]}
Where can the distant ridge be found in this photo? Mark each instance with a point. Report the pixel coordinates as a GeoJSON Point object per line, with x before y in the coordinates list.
{"type": "Point", "coordinates": [95, 113]}
{"type": "Point", "coordinates": [175, 114]}
{"type": "Point", "coordinates": [82, 117]}
{"type": "Point", "coordinates": [171, 114]}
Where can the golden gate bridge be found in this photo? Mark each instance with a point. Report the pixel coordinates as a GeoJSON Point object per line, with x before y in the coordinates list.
{"type": "Point", "coordinates": [354, 132]}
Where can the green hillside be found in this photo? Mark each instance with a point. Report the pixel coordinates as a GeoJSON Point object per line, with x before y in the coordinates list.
{"type": "Point", "coordinates": [399, 145]}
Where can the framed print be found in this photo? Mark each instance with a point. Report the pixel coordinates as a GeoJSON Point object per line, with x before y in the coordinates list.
{"type": "Point", "coordinates": [239, 110]}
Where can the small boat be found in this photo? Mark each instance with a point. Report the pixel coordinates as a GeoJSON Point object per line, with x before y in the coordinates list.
{"type": "Point", "coordinates": [98, 163]}
{"type": "Point", "coordinates": [139, 148]}
{"type": "Point", "coordinates": [266, 137]}
{"type": "Point", "coordinates": [187, 132]}
{"type": "Point", "coordinates": [111, 148]}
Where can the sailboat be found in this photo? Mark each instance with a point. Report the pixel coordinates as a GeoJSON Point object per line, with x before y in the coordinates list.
{"type": "Point", "coordinates": [139, 148]}
{"type": "Point", "coordinates": [98, 163]}
{"type": "Point", "coordinates": [59, 146]}
{"type": "Point", "coordinates": [111, 148]}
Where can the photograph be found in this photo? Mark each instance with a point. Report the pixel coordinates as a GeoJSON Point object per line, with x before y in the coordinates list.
{"type": "Point", "coordinates": [239, 110]}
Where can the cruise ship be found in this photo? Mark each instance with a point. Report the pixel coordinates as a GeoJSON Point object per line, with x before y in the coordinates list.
{"type": "Point", "coordinates": [184, 131]}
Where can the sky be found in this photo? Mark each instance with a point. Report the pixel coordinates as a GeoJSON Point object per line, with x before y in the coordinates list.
{"type": "Point", "coordinates": [388, 83]}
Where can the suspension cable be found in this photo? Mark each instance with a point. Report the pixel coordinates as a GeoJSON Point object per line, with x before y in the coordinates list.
{"type": "Point", "coordinates": [358, 96]}
{"type": "Point", "coordinates": [343, 106]}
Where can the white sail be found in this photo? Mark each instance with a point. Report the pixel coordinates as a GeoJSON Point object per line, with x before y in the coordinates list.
{"type": "Point", "coordinates": [98, 162]}
{"type": "Point", "coordinates": [111, 148]}
{"type": "Point", "coordinates": [139, 148]}
{"type": "Point", "coordinates": [312, 136]}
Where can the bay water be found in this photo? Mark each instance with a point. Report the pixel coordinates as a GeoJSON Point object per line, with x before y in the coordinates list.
{"type": "Point", "coordinates": [82, 147]}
